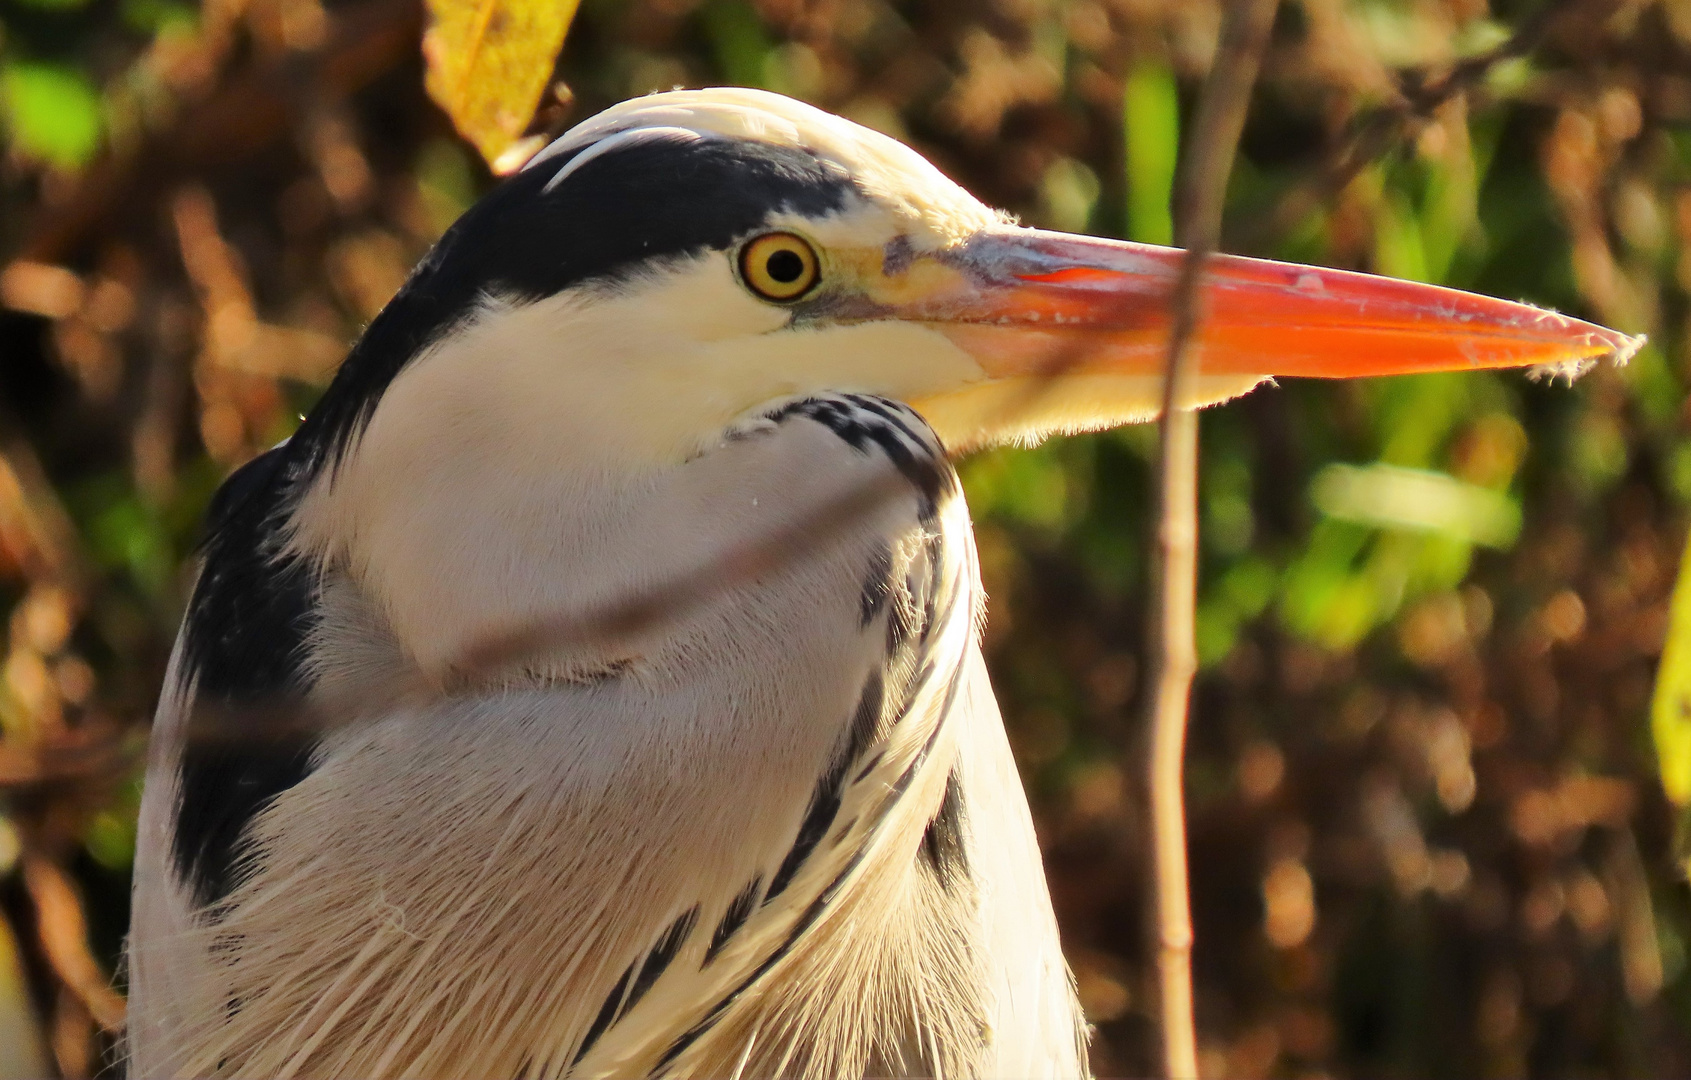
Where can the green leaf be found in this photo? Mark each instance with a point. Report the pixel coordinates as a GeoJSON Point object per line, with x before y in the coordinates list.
{"type": "Point", "coordinates": [51, 113]}
{"type": "Point", "coordinates": [109, 836]}
{"type": "Point", "coordinates": [1151, 114]}
{"type": "Point", "coordinates": [1398, 248]}
{"type": "Point", "coordinates": [1029, 487]}
{"type": "Point", "coordinates": [158, 16]}
{"type": "Point", "coordinates": [1392, 497]}
{"type": "Point", "coordinates": [446, 180]}
{"type": "Point", "coordinates": [740, 41]}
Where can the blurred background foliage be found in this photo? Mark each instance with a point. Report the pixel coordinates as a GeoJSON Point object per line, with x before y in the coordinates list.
{"type": "Point", "coordinates": [1427, 836]}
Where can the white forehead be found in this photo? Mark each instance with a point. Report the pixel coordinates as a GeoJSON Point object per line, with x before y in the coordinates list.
{"type": "Point", "coordinates": [890, 173]}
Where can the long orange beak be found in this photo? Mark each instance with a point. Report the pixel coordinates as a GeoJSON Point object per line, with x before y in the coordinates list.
{"type": "Point", "coordinates": [1027, 303]}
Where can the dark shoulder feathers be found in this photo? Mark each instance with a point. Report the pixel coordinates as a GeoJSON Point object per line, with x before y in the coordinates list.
{"type": "Point", "coordinates": [242, 642]}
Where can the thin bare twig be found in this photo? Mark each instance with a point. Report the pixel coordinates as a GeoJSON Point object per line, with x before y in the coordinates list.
{"type": "Point", "coordinates": [1388, 126]}
{"type": "Point", "coordinates": [98, 748]}
{"type": "Point", "coordinates": [1198, 204]}
{"type": "Point", "coordinates": [672, 599]}
{"type": "Point", "coordinates": [1383, 129]}
{"type": "Point", "coordinates": [63, 930]}
{"type": "Point", "coordinates": [667, 600]}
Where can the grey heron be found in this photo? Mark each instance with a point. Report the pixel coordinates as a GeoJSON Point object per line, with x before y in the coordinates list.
{"type": "Point", "coordinates": [775, 830]}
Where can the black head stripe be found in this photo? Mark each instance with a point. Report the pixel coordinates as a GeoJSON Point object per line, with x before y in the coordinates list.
{"type": "Point", "coordinates": [630, 207]}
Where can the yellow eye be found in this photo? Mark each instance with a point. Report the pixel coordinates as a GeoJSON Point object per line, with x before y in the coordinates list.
{"type": "Point", "coordinates": [779, 266]}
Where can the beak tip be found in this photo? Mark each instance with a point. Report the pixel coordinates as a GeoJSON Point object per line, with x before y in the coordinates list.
{"type": "Point", "coordinates": [1603, 344]}
{"type": "Point", "coordinates": [1626, 347]}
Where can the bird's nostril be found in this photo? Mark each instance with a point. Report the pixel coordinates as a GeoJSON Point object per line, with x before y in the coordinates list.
{"type": "Point", "coordinates": [785, 266]}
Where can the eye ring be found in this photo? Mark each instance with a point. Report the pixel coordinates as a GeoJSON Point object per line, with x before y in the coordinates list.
{"type": "Point", "coordinates": [780, 267]}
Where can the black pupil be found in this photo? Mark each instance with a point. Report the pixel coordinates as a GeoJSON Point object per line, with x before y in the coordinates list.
{"type": "Point", "coordinates": [785, 266]}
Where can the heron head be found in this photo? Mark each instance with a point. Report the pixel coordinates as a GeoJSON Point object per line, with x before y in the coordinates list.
{"type": "Point", "coordinates": [685, 264]}
{"type": "Point", "coordinates": [691, 257]}
{"type": "Point", "coordinates": [685, 261]}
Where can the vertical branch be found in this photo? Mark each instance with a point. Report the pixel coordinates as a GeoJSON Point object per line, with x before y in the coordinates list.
{"type": "Point", "coordinates": [1198, 203]}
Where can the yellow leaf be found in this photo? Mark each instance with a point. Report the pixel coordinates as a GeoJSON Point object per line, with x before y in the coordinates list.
{"type": "Point", "coordinates": [1671, 710]}
{"type": "Point", "coordinates": [488, 62]}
